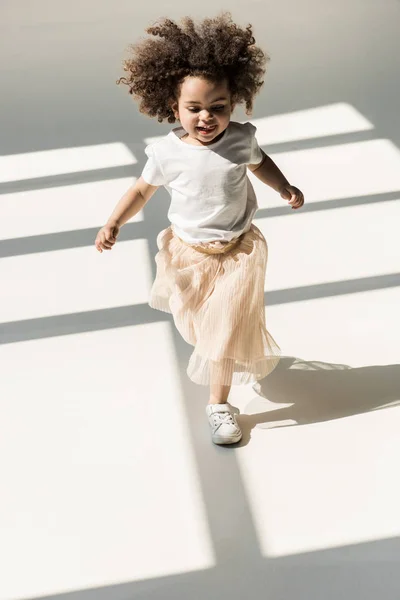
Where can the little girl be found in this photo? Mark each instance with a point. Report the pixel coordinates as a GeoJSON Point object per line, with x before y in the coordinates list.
{"type": "Point", "coordinates": [212, 259]}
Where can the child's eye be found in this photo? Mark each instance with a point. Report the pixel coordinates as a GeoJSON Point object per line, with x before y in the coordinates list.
{"type": "Point", "coordinates": [194, 109]}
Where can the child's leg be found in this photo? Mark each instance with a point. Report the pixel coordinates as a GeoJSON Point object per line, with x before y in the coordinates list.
{"type": "Point", "coordinates": [219, 394]}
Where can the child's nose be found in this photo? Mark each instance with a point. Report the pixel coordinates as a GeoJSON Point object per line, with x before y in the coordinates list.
{"type": "Point", "coordinates": [206, 114]}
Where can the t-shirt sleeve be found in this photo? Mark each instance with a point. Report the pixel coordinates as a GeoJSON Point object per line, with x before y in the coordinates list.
{"type": "Point", "coordinates": [152, 172]}
{"type": "Point", "coordinates": [256, 154]}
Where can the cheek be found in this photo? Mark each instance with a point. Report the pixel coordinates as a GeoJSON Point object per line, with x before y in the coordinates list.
{"type": "Point", "coordinates": [190, 119]}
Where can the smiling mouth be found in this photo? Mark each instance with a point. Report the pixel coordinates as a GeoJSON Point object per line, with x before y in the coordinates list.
{"type": "Point", "coordinates": [206, 130]}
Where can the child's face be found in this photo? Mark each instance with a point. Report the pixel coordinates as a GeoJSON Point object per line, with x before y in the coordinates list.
{"type": "Point", "coordinates": [204, 109]}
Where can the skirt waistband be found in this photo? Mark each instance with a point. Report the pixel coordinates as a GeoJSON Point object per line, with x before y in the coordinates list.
{"type": "Point", "coordinates": [209, 248]}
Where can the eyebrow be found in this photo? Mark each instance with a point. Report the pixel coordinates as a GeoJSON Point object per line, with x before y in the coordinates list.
{"type": "Point", "coordinates": [194, 102]}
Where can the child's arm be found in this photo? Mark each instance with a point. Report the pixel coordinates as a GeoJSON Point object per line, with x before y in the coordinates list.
{"type": "Point", "coordinates": [129, 205]}
{"type": "Point", "coordinates": [268, 173]}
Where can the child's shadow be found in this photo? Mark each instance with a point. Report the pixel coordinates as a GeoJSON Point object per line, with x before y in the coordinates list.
{"type": "Point", "coordinates": [318, 392]}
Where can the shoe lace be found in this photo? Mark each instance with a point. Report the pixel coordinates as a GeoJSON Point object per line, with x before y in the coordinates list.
{"type": "Point", "coordinates": [223, 417]}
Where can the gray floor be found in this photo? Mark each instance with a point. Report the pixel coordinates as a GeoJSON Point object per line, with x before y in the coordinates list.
{"type": "Point", "coordinates": [110, 486]}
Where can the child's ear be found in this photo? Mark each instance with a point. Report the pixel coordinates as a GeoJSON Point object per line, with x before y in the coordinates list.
{"type": "Point", "coordinates": [174, 108]}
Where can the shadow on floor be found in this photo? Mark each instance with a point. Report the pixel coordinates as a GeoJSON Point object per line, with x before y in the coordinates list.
{"type": "Point", "coordinates": [317, 391]}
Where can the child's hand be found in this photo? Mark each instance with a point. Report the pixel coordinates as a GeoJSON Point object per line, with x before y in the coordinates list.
{"type": "Point", "coordinates": [107, 237]}
{"type": "Point", "coordinates": [293, 194]}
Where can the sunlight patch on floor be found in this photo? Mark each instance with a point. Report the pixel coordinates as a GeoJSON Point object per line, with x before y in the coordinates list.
{"type": "Point", "coordinates": [324, 485]}
{"type": "Point", "coordinates": [98, 474]}
{"type": "Point", "coordinates": [344, 244]}
{"type": "Point", "coordinates": [62, 208]}
{"type": "Point", "coordinates": [332, 119]}
{"type": "Point", "coordinates": [333, 172]}
{"type": "Point", "coordinates": [74, 280]}
{"type": "Point", "coordinates": [355, 329]}
{"type": "Point", "coordinates": [44, 163]}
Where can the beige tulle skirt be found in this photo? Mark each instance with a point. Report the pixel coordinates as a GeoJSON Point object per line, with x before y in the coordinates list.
{"type": "Point", "coordinates": [215, 292]}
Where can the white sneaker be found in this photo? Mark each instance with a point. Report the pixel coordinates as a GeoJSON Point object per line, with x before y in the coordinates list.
{"type": "Point", "coordinates": [224, 427]}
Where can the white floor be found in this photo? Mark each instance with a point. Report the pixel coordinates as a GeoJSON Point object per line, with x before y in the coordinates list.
{"type": "Point", "coordinates": [110, 485]}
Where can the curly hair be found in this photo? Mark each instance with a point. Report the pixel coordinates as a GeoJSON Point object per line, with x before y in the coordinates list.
{"type": "Point", "coordinates": [215, 49]}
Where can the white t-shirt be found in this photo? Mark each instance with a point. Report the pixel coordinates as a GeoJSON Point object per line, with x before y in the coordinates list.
{"type": "Point", "coordinates": [211, 195]}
